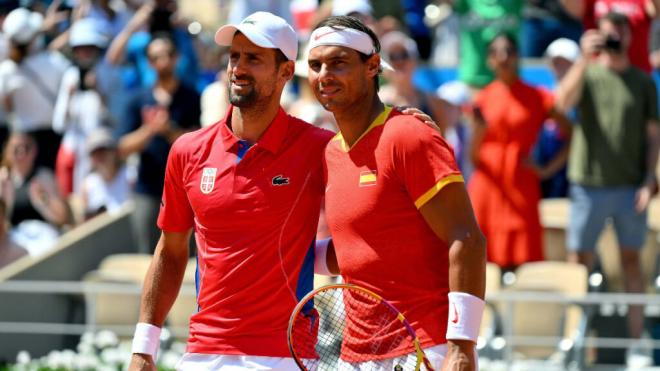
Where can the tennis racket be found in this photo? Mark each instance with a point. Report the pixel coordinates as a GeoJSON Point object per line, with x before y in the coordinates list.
{"type": "Point", "coordinates": [345, 327]}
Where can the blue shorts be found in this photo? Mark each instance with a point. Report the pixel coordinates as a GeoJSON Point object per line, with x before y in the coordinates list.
{"type": "Point", "coordinates": [591, 207]}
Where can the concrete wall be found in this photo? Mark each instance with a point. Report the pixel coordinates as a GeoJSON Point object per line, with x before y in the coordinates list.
{"type": "Point", "coordinates": [78, 252]}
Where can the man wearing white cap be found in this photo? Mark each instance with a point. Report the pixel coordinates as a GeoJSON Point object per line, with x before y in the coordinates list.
{"type": "Point", "coordinates": [251, 186]}
{"type": "Point", "coordinates": [396, 205]}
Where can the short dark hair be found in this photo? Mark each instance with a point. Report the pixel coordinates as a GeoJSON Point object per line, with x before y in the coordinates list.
{"type": "Point", "coordinates": [345, 21]}
{"type": "Point", "coordinates": [164, 37]}
{"type": "Point", "coordinates": [280, 57]}
{"type": "Point", "coordinates": [616, 19]}
{"type": "Point", "coordinates": [508, 37]}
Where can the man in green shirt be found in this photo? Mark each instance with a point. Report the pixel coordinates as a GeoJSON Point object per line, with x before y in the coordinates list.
{"type": "Point", "coordinates": [480, 22]}
{"type": "Point", "coordinates": [614, 150]}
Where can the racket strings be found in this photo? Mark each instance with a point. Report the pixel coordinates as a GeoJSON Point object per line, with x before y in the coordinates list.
{"type": "Point", "coordinates": [354, 331]}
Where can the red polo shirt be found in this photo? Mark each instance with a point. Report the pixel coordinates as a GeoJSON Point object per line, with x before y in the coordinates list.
{"type": "Point", "coordinates": [373, 194]}
{"type": "Point", "coordinates": [255, 213]}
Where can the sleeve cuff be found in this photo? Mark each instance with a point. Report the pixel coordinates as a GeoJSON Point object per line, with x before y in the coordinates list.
{"type": "Point", "coordinates": [424, 198]}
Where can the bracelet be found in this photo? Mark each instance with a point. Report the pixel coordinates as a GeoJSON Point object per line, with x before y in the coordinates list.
{"type": "Point", "coordinates": [465, 311]}
{"type": "Point", "coordinates": [320, 257]}
{"type": "Point", "coordinates": [146, 339]}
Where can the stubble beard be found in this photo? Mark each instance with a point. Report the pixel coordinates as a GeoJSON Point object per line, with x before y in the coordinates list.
{"type": "Point", "coordinates": [243, 101]}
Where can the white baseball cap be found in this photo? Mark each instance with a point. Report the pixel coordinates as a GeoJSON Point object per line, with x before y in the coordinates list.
{"type": "Point", "coordinates": [265, 30]}
{"type": "Point", "coordinates": [456, 93]}
{"type": "Point", "coordinates": [22, 25]}
{"type": "Point", "coordinates": [346, 7]}
{"type": "Point", "coordinates": [88, 31]}
{"type": "Point", "coordinates": [563, 48]}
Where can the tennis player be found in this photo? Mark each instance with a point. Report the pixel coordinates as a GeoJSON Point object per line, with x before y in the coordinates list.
{"type": "Point", "coordinates": [400, 218]}
{"type": "Point", "coordinates": [251, 188]}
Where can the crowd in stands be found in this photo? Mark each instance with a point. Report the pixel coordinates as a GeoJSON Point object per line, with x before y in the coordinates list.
{"type": "Point", "coordinates": [94, 92]}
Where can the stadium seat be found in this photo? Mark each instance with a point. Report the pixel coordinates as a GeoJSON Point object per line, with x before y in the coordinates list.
{"type": "Point", "coordinates": [113, 310]}
{"type": "Point", "coordinates": [185, 304]}
{"type": "Point", "coordinates": [490, 321]}
{"type": "Point", "coordinates": [547, 320]}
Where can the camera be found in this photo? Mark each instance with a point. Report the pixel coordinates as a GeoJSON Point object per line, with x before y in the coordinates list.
{"type": "Point", "coordinates": [612, 43]}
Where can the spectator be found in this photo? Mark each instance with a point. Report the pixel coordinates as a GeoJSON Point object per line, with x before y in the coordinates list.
{"type": "Point", "coordinates": [215, 100]}
{"type": "Point", "coordinates": [152, 19]}
{"type": "Point", "coordinates": [114, 18]}
{"type": "Point", "coordinates": [614, 152]}
{"type": "Point", "coordinates": [640, 14]}
{"type": "Point", "coordinates": [505, 187]}
{"type": "Point", "coordinates": [108, 187]}
{"type": "Point", "coordinates": [454, 97]}
{"type": "Point", "coordinates": [544, 22]}
{"type": "Point", "coordinates": [562, 53]}
{"type": "Point", "coordinates": [241, 9]}
{"type": "Point", "coordinates": [81, 102]}
{"type": "Point", "coordinates": [35, 208]}
{"type": "Point", "coordinates": [153, 121]}
{"type": "Point", "coordinates": [9, 250]}
{"type": "Point", "coordinates": [29, 82]}
{"type": "Point", "coordinates": [360, 9]}
{"type": "Point", "coordinates": [480, 21]}
{"type": "Point", "coordinates": [414, 18]}
{"type": "Point", "coordinates": [401, 51]}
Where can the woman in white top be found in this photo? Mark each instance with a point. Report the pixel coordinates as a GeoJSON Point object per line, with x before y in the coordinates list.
{"type": "Point", "coordinates": [108, 187]}
{"type": "Point", "coordinates": [29, 82]}
{"type": "Point", "coordinates": [81, 104]}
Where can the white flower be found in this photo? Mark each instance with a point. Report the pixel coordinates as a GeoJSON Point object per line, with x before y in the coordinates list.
{"type": "Point", "coordinates": [68, 357]}
{"type": "Point", "coordinates": [112, 356]}
{"type": "Point", "coordinates": [105, 339]}
{"type": "Point", "coordinates": [86, 348]}
{"type": "Point", "coordinates": [54, 359]}
{"type": "Point", "coordinates": [87, 338]}
{"type": "Point", "coordinates": [23, 357]}
{"type": "Point", "coordinates": [165, 334]}
{"type": "Point", "coordinates": [168, 359]}
{"type": "Point", "coordinates": [87, 362]}
{"type": "Point", "coordinates": [178, 347]}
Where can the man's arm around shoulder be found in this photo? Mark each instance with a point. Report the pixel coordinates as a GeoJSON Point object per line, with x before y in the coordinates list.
{"type": "Point", "coordinates": [161, 287]}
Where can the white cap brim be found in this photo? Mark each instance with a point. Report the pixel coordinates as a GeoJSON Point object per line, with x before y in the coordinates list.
{"type": "Point", "coordinates": [226, 33]}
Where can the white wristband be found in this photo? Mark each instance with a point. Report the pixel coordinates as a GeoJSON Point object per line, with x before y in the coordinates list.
{"type": "Point", "coordinates": [146, 339]}
{"type": "Point", "coordinates": [465, 313]}
{"type": "Point", "coordinates": [321, 258]}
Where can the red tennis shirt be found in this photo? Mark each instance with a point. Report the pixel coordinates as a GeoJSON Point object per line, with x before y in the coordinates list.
{"type": "Point", "coordinates": [373, 192]}
{"type": "Point", "coordinates": [254, 213]}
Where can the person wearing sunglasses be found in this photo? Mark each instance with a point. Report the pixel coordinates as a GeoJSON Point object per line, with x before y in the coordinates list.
{"type": "Point", "coordinates": [508, 115]}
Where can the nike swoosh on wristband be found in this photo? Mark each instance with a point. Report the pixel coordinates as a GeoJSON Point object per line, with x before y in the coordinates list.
{"type": "Point", "coordinates": [455, 319]}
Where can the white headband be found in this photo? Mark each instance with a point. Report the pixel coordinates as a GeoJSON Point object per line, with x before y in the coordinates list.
{"type": "Point", "coordinates": [348, 37]}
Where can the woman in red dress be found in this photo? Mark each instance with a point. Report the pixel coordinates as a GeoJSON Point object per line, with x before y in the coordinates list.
{"type": "Point", "coordinates": [505, 187]}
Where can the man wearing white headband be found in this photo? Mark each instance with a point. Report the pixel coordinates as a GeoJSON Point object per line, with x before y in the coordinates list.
{"type": "Point", "coordinates": [396, 205]}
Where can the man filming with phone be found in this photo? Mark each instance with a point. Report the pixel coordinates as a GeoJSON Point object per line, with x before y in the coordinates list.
{"type": "Point", "coordinates": [614, 152]}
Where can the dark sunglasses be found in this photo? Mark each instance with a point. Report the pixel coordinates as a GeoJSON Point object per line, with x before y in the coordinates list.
{"type": "Point", "coordinates": [509, 51]}
{"type": "Point", "coordinates": [400, 56]}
